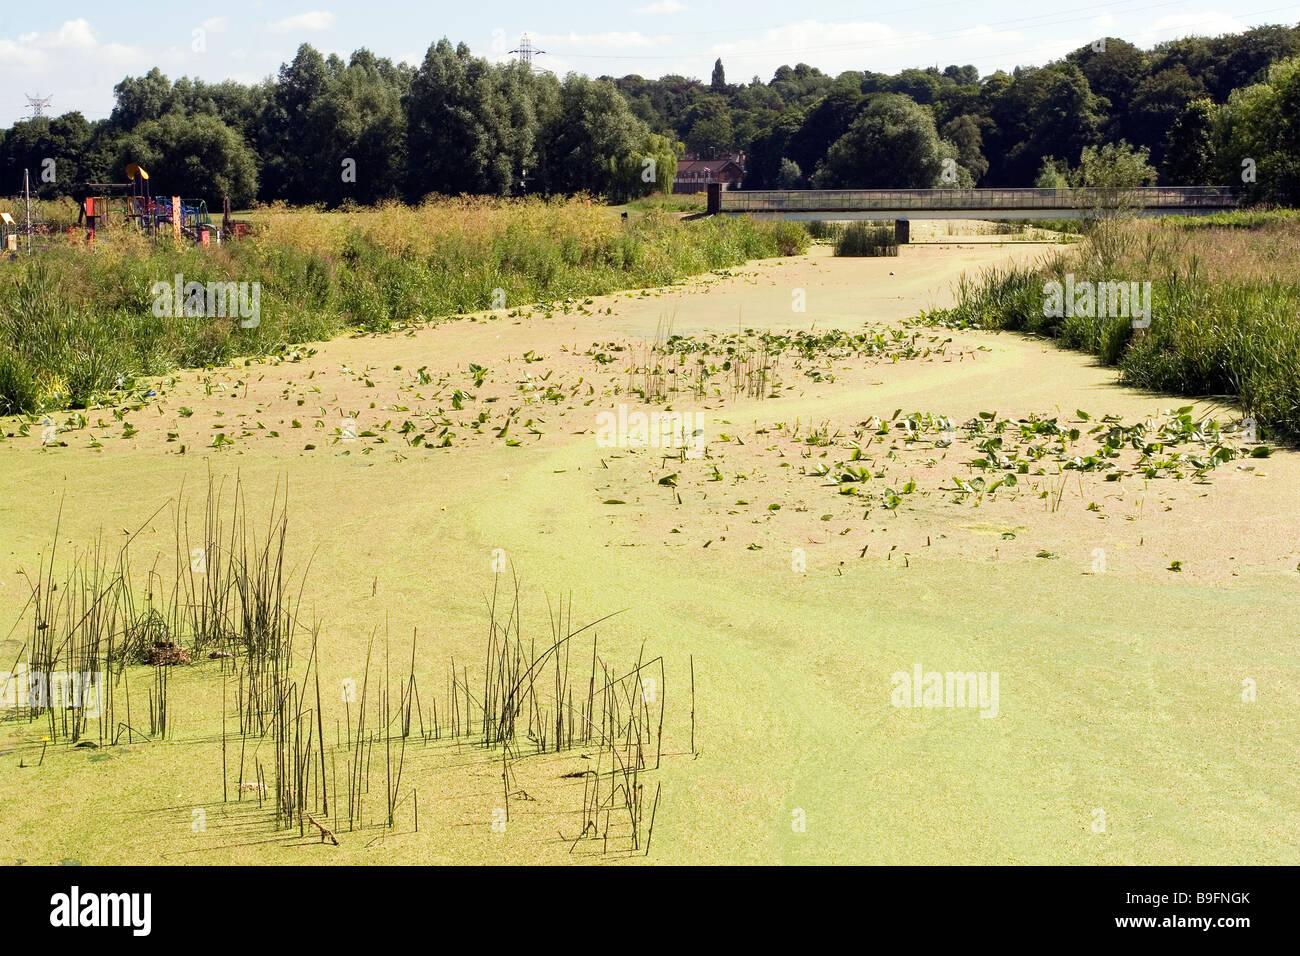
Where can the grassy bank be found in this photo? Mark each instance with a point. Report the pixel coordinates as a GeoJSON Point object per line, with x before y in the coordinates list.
{"type": "Point", "coordinates": [74, 321]}
{"type": "Point", "coordinates": [1224, 318]}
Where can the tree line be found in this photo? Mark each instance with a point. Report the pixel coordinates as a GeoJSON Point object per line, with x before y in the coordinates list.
{"type": "Point", "coordinates": [366, 130]}
{"type": "Point", "coordinates": [1222, 110]}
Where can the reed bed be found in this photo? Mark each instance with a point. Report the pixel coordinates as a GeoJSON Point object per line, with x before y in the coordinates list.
{"type": "Point", "coordinates": [866, 239]}
{"type": "Point", "coordinates": [75, 321]}
{"type": "Point", "coordinates": [662, 368]}
{"type": "Point", "coordinates": [1224, 302]}
{"type": "Point", "coordinates": [232, 601]}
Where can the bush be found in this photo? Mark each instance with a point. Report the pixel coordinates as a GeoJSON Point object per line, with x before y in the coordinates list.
{"type": "Point", "coordinates": [791, 238]}
{"type": "Point", "coordinates": [866, 239]}
{"type": "Point", "coordinates": [820, 229]}
{"type": "Point", "coordinates": [17, 383]}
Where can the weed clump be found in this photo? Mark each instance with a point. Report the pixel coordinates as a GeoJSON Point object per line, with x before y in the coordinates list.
{"type": "Point", "coordinates": [866, 239]}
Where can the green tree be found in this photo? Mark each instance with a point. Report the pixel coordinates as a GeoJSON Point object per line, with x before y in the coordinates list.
{"type": "Point", "coordinates": [790, 176]}
{"type": "Point", "coordinates": [359, 133]}
{"type": "Point", "coordinates": [709, 128]}
{"type": "Point", "coordinates": [892, 144]}
{"type": "Point", "coordinates": [822, 125]}
{"type": "Point", "coordinates": [1259, 129]}
{"type": "Point", "coordinates": [1112, 166]}
{"type": "Point", "coordinates": [140, 99]}
{"type": "Point", "coordinates": [962, 75]}
{"type": "Point", "coordinates": [196, 157]}
{"type": "Point", "coordinates": [55, 152]}
{"type": "Point", "coordinates": [921, 85]}
{"type": "Point", "coordinates": [1157, 103]}
{"type": "Point", "coordinates": [1245, 58]}
{"type": "Point", "coordinates": [290, 147]}
{"type": "Point", "coordinates": [1039, 112]}
{"type": "Point", "coordinates": [457, 119]}
{"type": "Point", "coordinates": [964, 134]}
{"type": "Point", "coordinates": [1055, 174]}
{"type": "Point", "coordinates": [770, 148]}
{"type": "Point", "coordinates": [718, 83]}
{"type": "Point", "coordinates": [1113, 69]}
{"type": "Point", "coordinates": [1190, 146]}
{"type": "Point", "coordinates": [591, 141]}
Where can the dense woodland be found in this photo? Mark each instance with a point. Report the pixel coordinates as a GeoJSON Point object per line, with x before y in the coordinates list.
{"type": "Point", "coordinates": [1223, 110]}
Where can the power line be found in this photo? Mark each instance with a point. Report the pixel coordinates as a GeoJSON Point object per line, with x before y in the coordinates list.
{"type": "Point", "coordinates": [526, 51]}
{"type": "Point", "coordinates": [37, 105]}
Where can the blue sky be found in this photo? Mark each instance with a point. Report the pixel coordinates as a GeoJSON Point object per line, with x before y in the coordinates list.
{"type": "Point", "coordinates": [76, 50]}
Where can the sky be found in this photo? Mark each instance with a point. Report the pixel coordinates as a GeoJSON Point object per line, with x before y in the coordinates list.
{"type": "Point", "coordinates": [75, 51]}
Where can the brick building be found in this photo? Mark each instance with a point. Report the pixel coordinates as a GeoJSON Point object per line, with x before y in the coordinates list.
{"type": "Point", "coordinates": [694, 174]}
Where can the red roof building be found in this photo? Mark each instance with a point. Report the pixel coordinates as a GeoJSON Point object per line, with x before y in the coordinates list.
{"type": "Point", "coordinates": [695, 174]}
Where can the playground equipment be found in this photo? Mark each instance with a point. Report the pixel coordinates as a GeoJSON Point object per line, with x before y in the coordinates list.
{"type": "Point", "coordinates": [8, 233]}
{"type": "Point", "coordinates": [133, 203]}
{"type": "Point", "coordinates": [185, 217]}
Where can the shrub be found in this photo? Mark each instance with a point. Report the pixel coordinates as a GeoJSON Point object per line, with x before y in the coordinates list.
{"type": "Point", "coordinates": [17, 383]}
{"type": "Point", "coordinates": [866, 239]}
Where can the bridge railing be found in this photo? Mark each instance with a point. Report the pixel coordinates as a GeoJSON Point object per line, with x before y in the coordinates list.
{"type": "Point", "coordinates": [865, 200]}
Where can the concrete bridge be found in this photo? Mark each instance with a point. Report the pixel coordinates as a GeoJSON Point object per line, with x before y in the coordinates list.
{"type": "Point", "coordinates": [905, 204]}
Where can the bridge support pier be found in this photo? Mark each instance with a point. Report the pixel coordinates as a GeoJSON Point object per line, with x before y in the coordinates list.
{"type": "Point", "coordinates": [902, 231]}
{"type": "Point", "coordinates": [714, 198]}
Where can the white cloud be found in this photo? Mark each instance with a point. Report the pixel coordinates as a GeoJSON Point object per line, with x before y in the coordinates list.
{"type": "Point", "coordinates": [1210, 24]}
{"type": "Point", "coordinates": [78, 70]}
{"type": "Point", "coordinates": [583, 53]}
{"type": "Point", "coordinates": [215, 24]}
{"type": "Point", "coordinates": [663, 6]}
{"type": "Point", "coordinates": [1006, 49]}
{"type": "Point", "coordinates": [868, 45]}
{"type": "Point", "coordinates": [71, 65]}
{"type": "Point", "coordinates": [302, 22]}
{"type": "Point", "coordinates": [620, 40]}
{"type": "Point", "coordinates": [73, 35]}
{"type": "Point", "coordinates": [832, 47]}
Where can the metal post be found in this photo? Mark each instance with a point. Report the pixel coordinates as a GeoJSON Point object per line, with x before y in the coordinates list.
{"type": "Point", "coordinates": [27, 205]}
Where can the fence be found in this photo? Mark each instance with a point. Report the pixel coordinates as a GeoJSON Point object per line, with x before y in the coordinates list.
{"type": "Point", "coordinates": [1171, 198]}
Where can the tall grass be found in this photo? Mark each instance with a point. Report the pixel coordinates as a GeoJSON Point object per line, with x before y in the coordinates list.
{"type": "Point", "coordinates": [866, 239]}
{"type": "Point", "coordinates": [823, 230]}
{"type": "Point", "coordinates": [1225, 315]}
{"type": "Point", "coordinates": [75, 320]}
{"type": "Point", "coordinates": [48, 215]}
